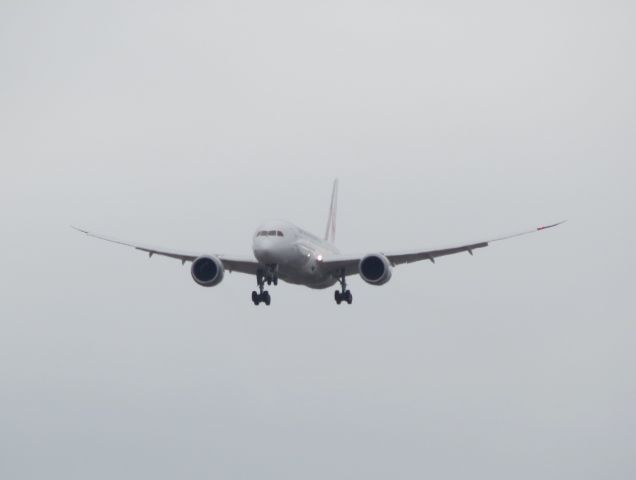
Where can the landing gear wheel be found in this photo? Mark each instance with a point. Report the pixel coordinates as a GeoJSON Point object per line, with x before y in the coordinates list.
{"type": "Point", "coordinates": [338, 297]}
{"type": "Point", "coordinates": [348, 297]}
{"type": "Point", "coordinates": [264, 297]}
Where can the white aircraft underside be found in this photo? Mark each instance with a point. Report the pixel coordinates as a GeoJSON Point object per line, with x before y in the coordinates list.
{"type": "Point", "coordinates": [283, 251]}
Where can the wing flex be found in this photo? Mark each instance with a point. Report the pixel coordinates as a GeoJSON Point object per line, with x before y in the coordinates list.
{"type": "Point", "coordinates": [349, 264]}
{"type": "Point", "coordinates": [230, 263]}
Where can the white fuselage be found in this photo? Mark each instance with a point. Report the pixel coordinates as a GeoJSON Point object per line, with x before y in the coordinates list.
{"type": "Point", "coordinates": [296, 253]}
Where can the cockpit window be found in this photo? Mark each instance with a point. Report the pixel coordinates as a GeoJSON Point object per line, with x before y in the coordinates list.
{"type": "Point", "coordinates": [271, 233]}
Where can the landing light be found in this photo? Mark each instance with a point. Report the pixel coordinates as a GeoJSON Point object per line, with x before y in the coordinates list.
{"type": "Point", "coordinates": [319, 258]}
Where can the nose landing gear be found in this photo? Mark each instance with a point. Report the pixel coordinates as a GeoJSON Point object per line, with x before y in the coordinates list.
{"type": "Point", "coordinates": [343, 295]}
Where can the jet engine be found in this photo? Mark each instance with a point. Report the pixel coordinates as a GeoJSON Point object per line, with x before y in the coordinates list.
{"type": "Point", "coordinates": [375, 269]}
{"type": "Point", "coordinates": [207, 271]}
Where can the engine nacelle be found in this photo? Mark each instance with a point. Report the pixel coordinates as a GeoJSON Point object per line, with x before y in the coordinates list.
{"type": "Point", "coordinates": [207, 271]}
{"type": "Point", "coordinates": [375, 269]}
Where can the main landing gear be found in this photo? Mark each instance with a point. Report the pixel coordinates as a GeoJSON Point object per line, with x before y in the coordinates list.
{"type": "Point", "coordinates": [343, 295]}
{"type": "Point", "coordinates": [261, 297]}
{"type": "Point", "coordinates": [269, 276]}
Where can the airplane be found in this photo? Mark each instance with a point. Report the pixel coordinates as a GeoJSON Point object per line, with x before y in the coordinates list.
{"type": "Point", "coordinates": [284, 251]}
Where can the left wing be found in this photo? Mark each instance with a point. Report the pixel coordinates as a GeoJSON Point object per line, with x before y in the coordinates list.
{"type": "Point", "coordinates": [351, 263]}
{"type": "Point", "coordinates": [230, 263]}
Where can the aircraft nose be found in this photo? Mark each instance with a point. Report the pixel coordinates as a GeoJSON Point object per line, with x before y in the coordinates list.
{"type": "Point", "coordinates": [268, 250]}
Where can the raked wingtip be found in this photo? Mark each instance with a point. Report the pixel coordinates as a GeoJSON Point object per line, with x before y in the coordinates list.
{"type": "Point", "coordinates": [545, 227]}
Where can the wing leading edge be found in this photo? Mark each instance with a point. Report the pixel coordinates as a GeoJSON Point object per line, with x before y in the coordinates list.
{"type": "Point", "coordinates": [231, 263]}
{"type": "Point", "coordinates": [350, 263]}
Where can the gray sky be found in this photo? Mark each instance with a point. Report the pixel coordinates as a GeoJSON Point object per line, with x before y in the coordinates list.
{"type": "Point", "coordinates": [187, 125]}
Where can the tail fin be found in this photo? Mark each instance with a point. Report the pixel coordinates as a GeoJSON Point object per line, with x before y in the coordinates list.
{"type": "Point", "coordinates": [330, 233]}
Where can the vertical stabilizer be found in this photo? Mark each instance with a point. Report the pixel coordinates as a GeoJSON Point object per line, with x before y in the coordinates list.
{"type": "Point", "coordinates": [330, 233]}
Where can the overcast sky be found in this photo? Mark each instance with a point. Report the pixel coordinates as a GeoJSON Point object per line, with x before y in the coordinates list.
{"type": "Point", "coordinates": [186, 124]}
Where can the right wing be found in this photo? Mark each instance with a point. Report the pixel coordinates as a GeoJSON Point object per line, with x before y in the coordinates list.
{"type": "Point", "coordinates": [230, 263]}
{"type": "Point", "coordinates": [350, 264]}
